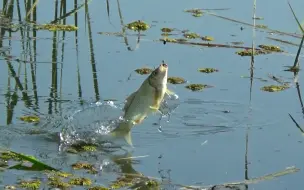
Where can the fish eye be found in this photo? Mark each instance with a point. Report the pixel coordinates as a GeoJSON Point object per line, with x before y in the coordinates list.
{"type": "Point", "coordinates": [154, 73]}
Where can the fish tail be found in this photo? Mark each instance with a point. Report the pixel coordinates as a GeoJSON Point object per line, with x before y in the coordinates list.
{"type": "Point", "coordinates": [124, 130]}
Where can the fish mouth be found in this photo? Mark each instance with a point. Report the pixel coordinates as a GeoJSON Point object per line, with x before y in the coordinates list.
{"type": "Point", "coordinates": [163, 67]}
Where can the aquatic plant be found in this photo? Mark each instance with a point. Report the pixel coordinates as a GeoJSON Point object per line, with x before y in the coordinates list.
{"type": "Point", "coordinates": [197, 87]}
{"type": "Point", "coordinates": [271, 48]}
{"type": "Point", "coordinates": [143, 71]}
{"type": "Point", "coordinates": [176, 80]}
{"type": "Point", "coordinates": [274, 88]}
{"type": "Point", "coordinates": [30, 184]}
{"type": "Point", "coordinates": [208, 70]}
{"type": "Point", "coordinates": [30, 118]}
{"type": "Point", "coordinates": [81, 181]}
{"type": "Point", "coordinates": [56, 27]}
{"type": "Point", "coordinates": [138, 26]}
{"type": "Point", "coordinates": [207, 38]}
{"type": "Point", "coordinates": [191, 35]}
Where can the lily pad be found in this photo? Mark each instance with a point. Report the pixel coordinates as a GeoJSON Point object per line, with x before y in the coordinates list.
{"type": "Point", "coordinates": [197, 87]}
{"type": "Point", "coordinates": [191, 35]}
{"type": "Point", "coordinates": [56, 27]}
{"type": "Point", "coordinates": [207, 38]}
{"type": "Point", "coordinates": [176, 80]}
{"type": "Point", "coordinates": [208, 70]}
{"type": "Point", "coordinates": [271, 48]}
{"type": "Point", "coordinates": [144, 71]}
{"type": "Point", "coordinates": [138, 26]}
{"type": "Point", "coordinates": [274, 88]}
{"type": "Point", "coordinates": [30, 119]}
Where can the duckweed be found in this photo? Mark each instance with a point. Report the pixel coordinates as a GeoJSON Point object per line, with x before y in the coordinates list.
{"type": "Point", "coordinates": [176, 80]}
{"type": "Point", "coordinates": [138, 26]}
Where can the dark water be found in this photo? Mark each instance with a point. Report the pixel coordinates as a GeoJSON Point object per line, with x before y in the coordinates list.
{"type": "Point", "coordinates": [205, 139]}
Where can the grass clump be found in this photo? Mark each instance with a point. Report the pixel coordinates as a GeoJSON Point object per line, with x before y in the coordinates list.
{"type": "Point", "coordinates": [138, 26]}
{"type": "Point", "coordinates": [176, 80]}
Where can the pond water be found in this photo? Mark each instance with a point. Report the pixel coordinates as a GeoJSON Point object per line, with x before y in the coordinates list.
{"type": "Point", "coordinates": [204, 140]}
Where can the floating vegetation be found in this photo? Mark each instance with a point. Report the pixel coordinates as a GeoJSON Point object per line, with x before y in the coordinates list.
{"type": "Point", "coordinates": [207, 38]}
{"type": "Point", "coordinates": [248, 52]}
{"type": "Point", "coordinates": [30, 184]}
{"type": "Point", "coordinates": [207, 70]}
{"type": "Point", "coordinates": [271, 48]}
{"type": "Point", "coordinates": [82, 147]}
{"type": "Point", "coordinates": [86, 166]}
{"type": "Point", "coordinates": [191, 35]}
{"type": "Point", "coordinates": [274, 88]}
{"type": "Point", "coordinates": [168, 40]}
{"type": "Point", "coordinates": [98, 188]}
{"type": "Point", "coordinates": [237, 43]}
{"type": "Point", "coordinates": [123, 182]}
{"type": "Point", "coordinates": [195, 12]}
{"type": "Point", "coordinates": [167, 30]}
{"type": "Point", "coordinates": [60, 174]}
{"type": "Point", "coordinates": [56, 27]}
{"type": "Point", "coordinates": [144, 71]}
{"type": "Point", "coordinates": [6, 156]}
{"type": "Point", "coordinates": [261, 26]}
{"type": "Point", "coordinates": [181, 40]}
{"type": "Point", "coordinates": [197, 87]}
{"type": "Point", "coordinates": [56, 182]}
{"type": "Point", "coordinates": [146, 184]}
{"type": "Point", "coordinates": [30, 119]}
{"type": "Point", "coordinates": [138, 26]}
{"type": "Point", "coordinates": [80, 181]}
{"type": "Point", "coordinates": [294, 69]}
{"type": "Point", "coordinates": [176, 80]}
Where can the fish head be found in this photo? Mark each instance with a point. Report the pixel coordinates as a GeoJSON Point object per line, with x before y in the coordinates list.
{"type": "Point", "coordinates": [158, 78]}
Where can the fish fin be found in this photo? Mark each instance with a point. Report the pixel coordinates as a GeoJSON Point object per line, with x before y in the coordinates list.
{"type": "Point", "coordinates": [169, 92]}
{"type": "Point", "coordinates": [154, 108]}
{"type": "Point", "coordinates": [129, 99]}
{"type": "Point", "coordinates": [128, 138]}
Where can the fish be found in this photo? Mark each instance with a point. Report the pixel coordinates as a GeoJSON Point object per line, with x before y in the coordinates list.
{"type": "Point", "coordinates": [145, 100]}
